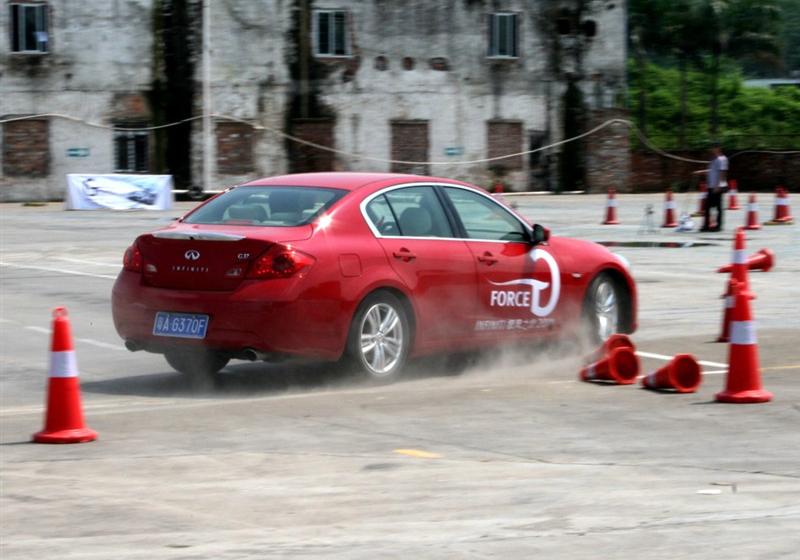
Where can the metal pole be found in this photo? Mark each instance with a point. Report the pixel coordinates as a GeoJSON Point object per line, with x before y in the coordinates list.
{"type": "Point", "coordinates": [207, 132]}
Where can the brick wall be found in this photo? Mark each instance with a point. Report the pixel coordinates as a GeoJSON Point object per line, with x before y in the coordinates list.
{"type": "Point", "coordinates": [504, 137]}
{"type": "Point", "coordinates": [410, 142]}
{"type": "Point", "coordinates": [608, 161]}
{"type": "Point", "coordinates": [234, 148]}
{"type": "Point", "coordinates": [753, 171]}
{"type": "Point", "coordinates": [26, 148]}
{"type": "Point", "coordinates": [303, 158]}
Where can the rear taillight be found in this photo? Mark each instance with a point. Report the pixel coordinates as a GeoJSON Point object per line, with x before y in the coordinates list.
{"type": "Point", "coordinates": [281, 262]}
{"type": "Point", "coordinates": [132, 261]}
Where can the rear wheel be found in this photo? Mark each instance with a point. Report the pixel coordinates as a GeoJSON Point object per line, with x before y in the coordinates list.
{"type": "Point", "coordinates": [604, 307]}
{"type": "Point", "coordinates": [196, 363]}
{"type": "Point", "coordinates": [380, 337]}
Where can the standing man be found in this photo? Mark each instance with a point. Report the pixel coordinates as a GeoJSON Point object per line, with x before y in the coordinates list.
{"type": "Point", "coordinates": [717, 185]}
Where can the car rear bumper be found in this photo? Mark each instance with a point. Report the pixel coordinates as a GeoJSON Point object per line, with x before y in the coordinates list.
{"type": "Point", "coordinates": [242, 319]}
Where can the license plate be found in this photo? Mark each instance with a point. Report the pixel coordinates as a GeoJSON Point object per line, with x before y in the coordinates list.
{"type": "Point", "coordinates": [181, 325]}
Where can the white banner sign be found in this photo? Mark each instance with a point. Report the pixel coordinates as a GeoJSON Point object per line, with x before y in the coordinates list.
{"type": "Point", "coordinates": [119, 192]}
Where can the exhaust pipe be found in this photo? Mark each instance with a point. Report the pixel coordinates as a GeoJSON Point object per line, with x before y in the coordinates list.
{"type": "Point", "coordinates": [255, 355]}
{"type": "Point", "coordinates": [132, 345]}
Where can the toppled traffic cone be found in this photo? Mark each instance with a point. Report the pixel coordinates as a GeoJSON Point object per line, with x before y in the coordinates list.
{"type": "Point", "coordinates": [702, 201]}
{"type": "Point", "coordinates": [64, 418]}
{"type": "Point", "coordinates": [752, 214]}
{"type": "Point", "coordinates": [733, 192]}
{"type": "Point", "coordinates": [743, 382]}
{"type": "Point", "coordinates": [783, 214]}
{"type": "Point", "coordinates": [727, 311]}
{"type": "Point", "coordinates": [620, 367]}
{"type": "Point", "coordinates": [763, 260]}
{"type": "Point", "coordinates": [669, 211]}
{"type": "Point", "coordinates": [611, 208]}
{"type": "Point", "coordinates": [613, 341]}
{"type": "Point", "coordinates": [682, 373]}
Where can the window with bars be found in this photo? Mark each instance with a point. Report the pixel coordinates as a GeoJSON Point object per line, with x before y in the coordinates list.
{"type": "Point", "coordinates": [131, 150]}
{"type": "Point", "coordinates": [330, 33]}
{"type": "Point", "coordinates": [29, 28]}
{"type": "Point", "coordinates": [503, 36]}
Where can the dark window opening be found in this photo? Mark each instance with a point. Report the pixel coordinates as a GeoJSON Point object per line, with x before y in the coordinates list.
{"type": "Point", "coordinates": [29, 28]}
{"type": "Point", "coordinates": [131, 149]}
{"type": "Point", "coordinates": [503, 36]}
{"type": "Point", "coordinates": [330, 33]}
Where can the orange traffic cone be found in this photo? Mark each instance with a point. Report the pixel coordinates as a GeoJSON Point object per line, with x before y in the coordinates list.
{"type": "Point", "coordinates": [752, 214]}
{"type": "Point", "coordinates": [701, 201]}
{"type": "Point", "coordinates": [669, 211]}
{"type": "Point", "coordinates": [743, 382]}
{"type": "Point", "coordinates": [733, 192]}
{"type": "Point", "coordinates": [739, 261]}
{"type": "Point", "coordinates": [611, 208]}
{"type": "Point", "coordinates": [727, 310]}
{"type": "Point", "coordinates": [613, 341]}
{"type": "Point", "coordinates": [783, 214]}
{"type": "Point", "coordinates": [682, 373]}
{"type": "Point", "coordinates": [621, 367]}
{"type": "Point", "coordinates": [763, 260]}
{"type": "Point", "coordinates": [64, 420]}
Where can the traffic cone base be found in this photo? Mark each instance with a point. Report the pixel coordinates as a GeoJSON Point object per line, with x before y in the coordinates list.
{"type": "Point", "coordinates": [745, 397]}
{"type": "Point", "coordinates": [682, 373]}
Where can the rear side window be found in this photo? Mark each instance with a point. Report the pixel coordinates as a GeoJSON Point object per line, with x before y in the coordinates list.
{"type": "Point", "coordinates": [483, 218]}
{"type": "Point", "coordinates": [416, 212]}
{"type": "Point", "coordinates": [266, 206]}
{"type": "Point", "coordinates": [382, 217]}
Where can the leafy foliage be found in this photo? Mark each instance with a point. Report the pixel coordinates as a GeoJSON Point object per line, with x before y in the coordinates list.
{"type": "Point", "coordinates": [749, 117]}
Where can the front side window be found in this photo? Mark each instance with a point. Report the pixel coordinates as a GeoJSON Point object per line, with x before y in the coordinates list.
{"type": "Point", "coordinates": [503, 36]}
{"type": "Point", "coordinates": [266, 206]}
{"type": "Point", "coordinates": [131, 150]}
{"type": "Point", "coordinates": [29, 28]}
{"type": "Point", "coordinates": [483, 218]}
{"type": "Point", "coordinates": [330, 33]}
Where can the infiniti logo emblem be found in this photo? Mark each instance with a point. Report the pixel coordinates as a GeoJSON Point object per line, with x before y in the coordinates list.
{"type": "Point", "coordinates": [192, 255]}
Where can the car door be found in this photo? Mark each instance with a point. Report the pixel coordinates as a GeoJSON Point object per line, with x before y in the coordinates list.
{"type": "Point", "coordinates": [414, 230]}
{"type": "Point", "coordinates": [518, 284]}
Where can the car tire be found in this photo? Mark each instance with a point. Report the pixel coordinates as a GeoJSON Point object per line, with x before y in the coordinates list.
{"type": "Point", "coordinates": [197, 364]}
{"type": "Point", "coordinates": [604, 308]}
{"type": "Point", "coordinates": [380, 338]}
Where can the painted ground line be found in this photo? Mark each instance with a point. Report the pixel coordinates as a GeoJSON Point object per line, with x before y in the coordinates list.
{"type": "Point", "coordinates": [668, 358]}
{"type": "Point", "coordinates": [93, 263]}
{"type": "Point", "coordinates": [90, 341]}
{"type": "Point", "coordinates": [57, 270]}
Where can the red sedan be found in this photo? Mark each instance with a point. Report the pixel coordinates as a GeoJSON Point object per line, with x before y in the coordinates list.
{"type": "Point", "coordinates": [371, 268]}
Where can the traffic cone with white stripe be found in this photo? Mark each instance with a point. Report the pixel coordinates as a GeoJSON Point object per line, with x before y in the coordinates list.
{"type": "Point", "coordinates": [739, 261]}
{"type": "Point", "coordinates": [621, 366]}
{"type": "Point", "coordinates": [611, 208]}
{"type": "Point", "coordinates": [752, 214]}
{"type": "Point", "coordinates": [669, 211]}
{"type": "Point", "coordinates": [783, 214]}
{"type": "Point", "coordinates": [733, 192]}
{"type": "Point", "coordinates": [702, 201]}
{"type": "Point", "coordinates": [613, 341]}
{"type": "Point", "coordinates": [64, 419]}
{"type": "Point", "coordinates": [763, 260]}
{"type": "Point", "coordinates": [743, 382]}
{"type": "Point", "coordinates": [727, 297]}
{"type": "Point", "coordinates": [682, 373]}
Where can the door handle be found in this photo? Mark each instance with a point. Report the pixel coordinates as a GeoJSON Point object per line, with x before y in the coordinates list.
{"type": "Point", "coordinates": [404, 254]}
{"type": "Point", "coordinates": [487, 258]}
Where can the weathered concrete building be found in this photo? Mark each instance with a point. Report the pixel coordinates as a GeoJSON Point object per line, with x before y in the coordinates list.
{"type": "Point", "coordinates": [375, 80]}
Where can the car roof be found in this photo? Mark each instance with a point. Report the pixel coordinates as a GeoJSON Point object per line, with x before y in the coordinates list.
{"type": "Point", "coordinates": [345, 180]}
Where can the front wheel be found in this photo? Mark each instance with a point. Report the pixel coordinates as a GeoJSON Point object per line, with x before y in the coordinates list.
{"type": "Point", "coordinates": [196, 363]}
{"type": "Point", "coordinates": [604, 308]}
{"type": "Point", "coordinates": [380, 337]}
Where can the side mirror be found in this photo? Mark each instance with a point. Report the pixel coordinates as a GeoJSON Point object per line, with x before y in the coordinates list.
{"type": "Point", "coordinates": [539, 234]}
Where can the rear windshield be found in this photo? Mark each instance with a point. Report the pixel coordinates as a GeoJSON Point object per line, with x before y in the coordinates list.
{"type": "Point", "coordinates": [266, 206]}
